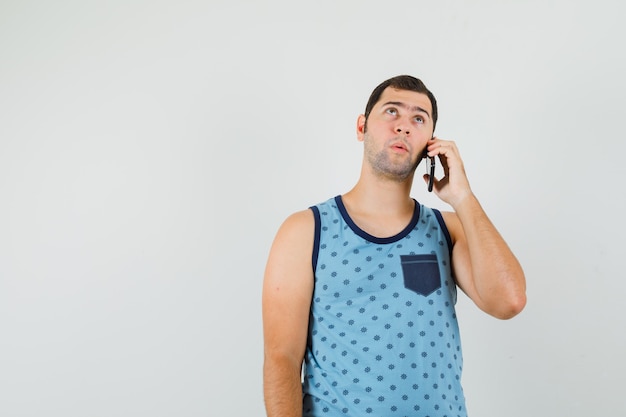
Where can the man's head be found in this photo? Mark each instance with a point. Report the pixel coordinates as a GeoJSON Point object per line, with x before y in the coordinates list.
{"type": "Point", "coordinates": [401, 82]}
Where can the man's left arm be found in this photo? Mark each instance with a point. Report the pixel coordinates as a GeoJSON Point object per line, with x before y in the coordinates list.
{"type": "Point", "coordinates": [483, 265]}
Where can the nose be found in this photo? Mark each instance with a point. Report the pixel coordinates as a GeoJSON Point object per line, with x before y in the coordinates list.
{"type": "Point", "coordinates": [403, 127]}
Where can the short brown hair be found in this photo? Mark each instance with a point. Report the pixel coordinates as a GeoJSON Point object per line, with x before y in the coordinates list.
{"type": "Point", "coordinates": [401, 82]}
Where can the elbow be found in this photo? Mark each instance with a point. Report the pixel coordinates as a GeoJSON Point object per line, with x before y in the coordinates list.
{"type": "Point", "coordinates": [512, 298]}
{"type": "Point", "coordinates": [510, 308]}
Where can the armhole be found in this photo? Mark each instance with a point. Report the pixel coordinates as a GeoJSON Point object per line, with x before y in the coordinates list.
{"type": "Point", "coordinates": [445, 230]}
{"type": "Point", "coordinates": [316, 238]}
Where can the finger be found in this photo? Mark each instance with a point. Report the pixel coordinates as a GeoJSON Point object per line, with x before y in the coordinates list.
{"type": "Point", "coordinates": [442, 154]}
{"type": "Point", "coordinates": [433, 143]}
{"type": "Point", "coordinates": [437, 146]}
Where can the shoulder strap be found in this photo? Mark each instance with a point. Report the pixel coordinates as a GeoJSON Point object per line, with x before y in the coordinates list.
{"type": "Point", "coordinates": [316, 238]}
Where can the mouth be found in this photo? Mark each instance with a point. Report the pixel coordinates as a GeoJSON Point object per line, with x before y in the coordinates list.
{"type": "Point", "coordinates": [399, 147]}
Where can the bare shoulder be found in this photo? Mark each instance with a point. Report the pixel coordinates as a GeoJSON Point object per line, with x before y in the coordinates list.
{"type": "Point", "coordinates": [297, 228]}
{"type": "Point", "coordinates": [291, 251]}
{"type": "Point", "coordinates": [300, 219]}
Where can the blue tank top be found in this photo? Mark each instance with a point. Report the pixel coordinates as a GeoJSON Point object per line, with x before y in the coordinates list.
{"type": "Point", "coordinates": [383, 334]}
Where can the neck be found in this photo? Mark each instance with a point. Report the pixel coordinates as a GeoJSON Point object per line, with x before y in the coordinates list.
{"type": "Point", "coordinates": [381, 195]}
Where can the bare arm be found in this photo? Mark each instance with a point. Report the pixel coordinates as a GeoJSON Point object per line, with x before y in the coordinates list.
{"type": "Point", "coordinates": [483, 265]}
{"type": "Point", "coordinates": [287, 291]}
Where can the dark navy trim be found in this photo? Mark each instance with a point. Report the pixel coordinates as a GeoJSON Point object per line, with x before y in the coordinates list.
{"type": "Point", "coordinates": [374, 239]}
{"type": "Point", "coordinates": [444, 229]}
{"type": "Point", "coordinates": [316, 238]}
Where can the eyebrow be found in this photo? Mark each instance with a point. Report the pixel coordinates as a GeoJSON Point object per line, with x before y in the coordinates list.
{"type": "Point", "coordinates": [407, 107]}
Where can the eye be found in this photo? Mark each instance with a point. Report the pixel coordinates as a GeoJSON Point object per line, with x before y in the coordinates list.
{"type": "Point", "coordinates": [392, 111]}
{"type": "Point", "coordinates": [419, 119]}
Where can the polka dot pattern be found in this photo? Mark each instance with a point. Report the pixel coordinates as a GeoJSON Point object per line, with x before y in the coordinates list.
{"type": "Point", "coordinates": [381, 343]}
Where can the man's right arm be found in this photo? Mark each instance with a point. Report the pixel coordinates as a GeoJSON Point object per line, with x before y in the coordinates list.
{"type": "Point", "coordinates": [287, 292]}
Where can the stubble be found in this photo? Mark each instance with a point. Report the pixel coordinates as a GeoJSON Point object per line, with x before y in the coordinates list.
{"type": "Point", "coordinates": [385, 163]}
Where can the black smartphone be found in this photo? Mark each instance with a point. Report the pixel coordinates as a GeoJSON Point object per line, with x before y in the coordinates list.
{"type": "Point", "coordinates": [430, 168]}
{"type": "Point", "coordinates": [431, 173]}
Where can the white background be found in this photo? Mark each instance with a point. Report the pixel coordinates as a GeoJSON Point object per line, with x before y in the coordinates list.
{"type": "Point", "coordinates": [149, 150]}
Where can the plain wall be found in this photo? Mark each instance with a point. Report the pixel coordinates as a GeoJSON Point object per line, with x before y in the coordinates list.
{"type": "Point", "coordinates": [149, 150]}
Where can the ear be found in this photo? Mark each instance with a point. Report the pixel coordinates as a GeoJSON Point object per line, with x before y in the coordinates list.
{"type": "Point", "coordinates": [360, 128]}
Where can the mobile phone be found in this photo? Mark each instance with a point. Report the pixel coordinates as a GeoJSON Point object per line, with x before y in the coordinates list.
{"type": "Point", "coordinates": [431, 169]}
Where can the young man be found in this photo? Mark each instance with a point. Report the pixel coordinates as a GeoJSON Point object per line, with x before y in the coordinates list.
{"type": "Point", "coordinates": [362, 288]}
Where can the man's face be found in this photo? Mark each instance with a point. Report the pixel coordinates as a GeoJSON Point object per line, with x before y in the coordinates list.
{"type": "Point", "coordinates": [396, 132]}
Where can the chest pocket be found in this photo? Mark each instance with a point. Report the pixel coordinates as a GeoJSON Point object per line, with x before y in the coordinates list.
{"type": "Point", "coordinates": [421, 273]}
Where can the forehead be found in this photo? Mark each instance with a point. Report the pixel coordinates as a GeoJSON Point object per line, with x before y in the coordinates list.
{"type": "Point", "coordinates": [411, 99]}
